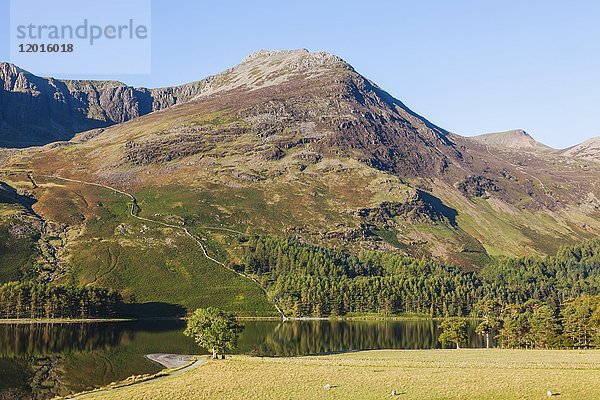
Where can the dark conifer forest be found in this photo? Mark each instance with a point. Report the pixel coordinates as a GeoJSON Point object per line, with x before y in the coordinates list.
{"type": "Point", "coordinates": [41, 300]}
{"type": "Point", "coordinates": [308, 280]}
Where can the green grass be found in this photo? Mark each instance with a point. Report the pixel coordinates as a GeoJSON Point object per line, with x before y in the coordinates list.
{"type": "Point", "coordinates": [156, 265]}
{"type": "Point", "coordinates": [390, 237]}
{"type": "Point", "coordinates": [17, 253]}
{"type": "Point", "coordinates": [178, 274]}
{"type": "Point", "coordinates": [414, 374]}
{"type": "Point", "coordinates": [18, 236]}
{"type": "Point", "coordinates": [513, 231]}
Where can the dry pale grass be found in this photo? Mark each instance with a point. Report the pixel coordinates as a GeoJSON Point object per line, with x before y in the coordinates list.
{"type": "Point", "coordinates": [414, 374]}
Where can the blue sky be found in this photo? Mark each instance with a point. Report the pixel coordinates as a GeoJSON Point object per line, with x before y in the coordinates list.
{"type": "Point", "coordinates": [468, 66]}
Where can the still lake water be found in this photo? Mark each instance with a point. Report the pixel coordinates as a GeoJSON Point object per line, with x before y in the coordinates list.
{"type": "Point", "coordinates": [44, 360]}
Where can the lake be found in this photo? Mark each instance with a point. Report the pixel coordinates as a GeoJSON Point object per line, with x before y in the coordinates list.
{"type": "Point", "coordinates": [44, 360]}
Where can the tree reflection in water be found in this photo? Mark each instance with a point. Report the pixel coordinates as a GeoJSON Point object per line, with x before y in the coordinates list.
{"type": "Point", "coordinates": [318, 337]}
{"type": "Point", "coordinates": [41, 339]}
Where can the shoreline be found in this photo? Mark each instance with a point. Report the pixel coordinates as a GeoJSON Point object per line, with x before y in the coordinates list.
{"type": "Point", "coordinates": [24, 321]}
{"type": "Point", "coordinates": [15, 321]}
{"type": "Point", "coordinates": [134, 380]}
{"type": "Point", "coordinates": [170, 360]}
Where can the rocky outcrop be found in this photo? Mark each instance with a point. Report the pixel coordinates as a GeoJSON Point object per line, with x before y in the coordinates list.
{"type": "Point", "coordinates": [37, 111]}
{"type": "Point", "coordinates": [164, 150]}
{"type": "Point", "coordinates": [423, 207]}
{"type": "Point", "coordinates": [477, 186]}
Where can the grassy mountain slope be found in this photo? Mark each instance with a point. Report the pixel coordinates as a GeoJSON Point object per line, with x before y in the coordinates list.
{"type": "Point", "coordinates": [96, 241]}
{"type": "Point", "coordinates": [292, 143]}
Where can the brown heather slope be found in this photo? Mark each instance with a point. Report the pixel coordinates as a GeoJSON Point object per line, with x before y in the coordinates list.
{"type": "Point", "coordinates": [298, 143]}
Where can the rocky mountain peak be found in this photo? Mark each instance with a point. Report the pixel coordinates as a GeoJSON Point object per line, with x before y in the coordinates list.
{"type": "Point", "coordinates": [263, 54]}
{"type": "Point", "coordinates": [37, 110]}
{"type": "Point", "coordinates": [9, 69]}
{"type": "Point", "coordinates": [12, 77]}
{"type": "Point", "coordinates": [300, 59]}
{"type": "Point", "coordinates": [265, 68]}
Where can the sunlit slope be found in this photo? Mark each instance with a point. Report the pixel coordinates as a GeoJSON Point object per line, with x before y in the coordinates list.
{"type": "Point", "coordinates": [95, 240]}
{"type": "Point", "coordinates": [288, 144]}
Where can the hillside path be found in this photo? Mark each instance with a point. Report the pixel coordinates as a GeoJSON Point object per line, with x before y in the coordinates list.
{"type": "Point", "coordinates": [135, 209]}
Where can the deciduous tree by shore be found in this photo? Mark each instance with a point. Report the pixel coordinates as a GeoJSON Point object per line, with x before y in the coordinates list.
{"type": "Point", "coordinates": [454, 330]}
{"type": "Point", "coordinates": [213, 329]}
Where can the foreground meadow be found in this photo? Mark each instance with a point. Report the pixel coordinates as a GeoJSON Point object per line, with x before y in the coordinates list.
{"type": "Point", "coordinates": [413, 374]}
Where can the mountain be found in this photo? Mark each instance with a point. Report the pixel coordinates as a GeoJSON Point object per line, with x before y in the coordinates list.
{"type": "Point", "coordinates": [288, 144]}
{"type": "Point", "coordinates": [37, 111]}
{"type": "Point", "coordinates": [589, 150]}
{"type": "Point", "coordinates": [516, 139]}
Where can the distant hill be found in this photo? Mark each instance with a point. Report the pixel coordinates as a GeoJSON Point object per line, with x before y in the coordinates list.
{"type": "Point", "coordinates": [516, 139]}
{"type": "Point", "coordinates": [589, 150]}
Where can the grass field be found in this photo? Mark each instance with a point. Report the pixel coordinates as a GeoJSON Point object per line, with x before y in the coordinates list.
{"type": "Point", "coordinates": [414, 374]}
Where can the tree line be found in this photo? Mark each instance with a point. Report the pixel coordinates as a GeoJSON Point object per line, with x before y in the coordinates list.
{"type": "Point", "coordinates": [309, 280]}
{"type": "Point", "coordinates": [42, 300]}
{"type": "Point", "coordinates": [532, 324]}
